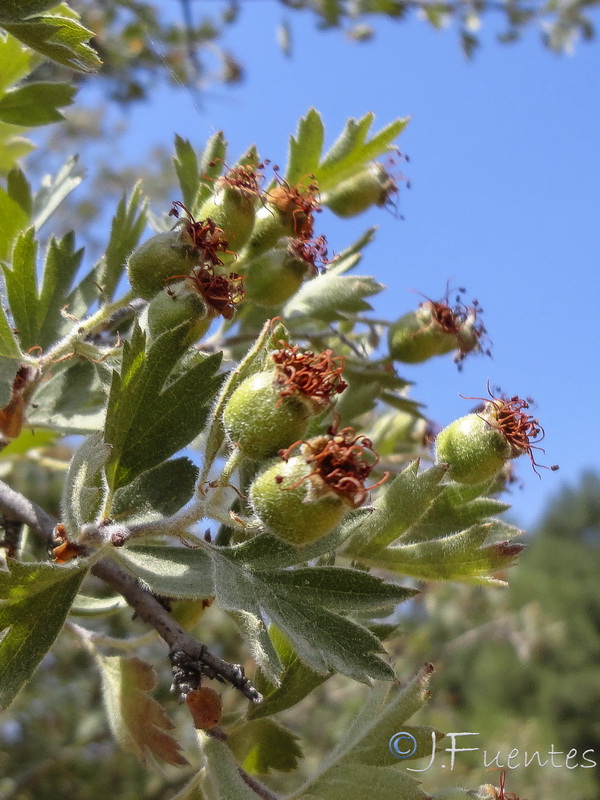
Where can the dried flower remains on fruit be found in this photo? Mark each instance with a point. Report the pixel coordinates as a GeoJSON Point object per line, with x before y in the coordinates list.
{"type": "Point", "coordinates": [317, 376]}
{"type": "Point", "coordinates": [272, 408]}
{"type": "Point", "coordinates": [340, 461]}
{"type": "Point", "coordinates": [207, 240]}
{"type": "Point", "coordinates": [522, 431]}
{"type": "Point", "coordinates": [221, 292]}
{"type": "Point", "coordinates": [437, 328]}
{"type": "Point", "coordinates": [246, 178]}
{"type": "Point", "coordinates": [477, 446]}
{"type": "Point", "coordinates": [312, 251]}
{"type": "Point", "coordinates": [300, 202]}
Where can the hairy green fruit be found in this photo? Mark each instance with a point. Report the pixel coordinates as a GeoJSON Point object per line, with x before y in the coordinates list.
{"type": "Point", "coordinates": [259, 421]}
{"type": "Point", "coordinates": [415, 338]}
{"type": "Point", "coordinates": [473, 447]}
{"type": "Point", "coordinates": [233, 211]}
{"type": "Point", "coordinates": [288, 503]}
{"type": "Point", "coordinates": [274, 276]}
{"type": "Point", "coordinates": [436, 328]}
{"type": "Point", "coordinates": [156, 260]}
{"type": "Point", "coordinates": [269, 227]}
{"type": "Point", "coordinates": [371, 186]}
{"type": "Point", "coordinates": [176, 306]}
{"type": "Point", "coordinates": [288, 211]}
{"type": "Point", "coordinates": [303, 497]}
{"type": "Point", "coordinates": [271, 409]}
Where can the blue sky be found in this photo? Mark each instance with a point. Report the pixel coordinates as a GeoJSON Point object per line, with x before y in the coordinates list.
{"type": "Point", "coordinates": [505, 180]}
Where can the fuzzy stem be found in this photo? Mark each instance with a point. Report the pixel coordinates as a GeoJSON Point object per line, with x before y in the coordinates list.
{"type": "Point", "coordinates": [81, 329]}
{"type": "Point", "coordinates": [231, 465]}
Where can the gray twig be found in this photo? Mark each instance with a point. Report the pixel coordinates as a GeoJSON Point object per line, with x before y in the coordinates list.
{"type": "Point", "coordinates": [16, 506]}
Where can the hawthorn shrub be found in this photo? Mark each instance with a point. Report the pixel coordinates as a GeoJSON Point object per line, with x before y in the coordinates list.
{"type": "Point", "coordinates": [309, 487]}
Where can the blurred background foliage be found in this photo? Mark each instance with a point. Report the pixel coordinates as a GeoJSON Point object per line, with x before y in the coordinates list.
{"type": "Point", "coordinates": [519, 665]}
{"type": "Point", "coordinates": [136, 40]}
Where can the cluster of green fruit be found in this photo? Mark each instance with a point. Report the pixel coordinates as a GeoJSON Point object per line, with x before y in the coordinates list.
{"type": "Point", "coordinates": [268, 234]}
{"type": "Point", "coordinates": [306, 486]}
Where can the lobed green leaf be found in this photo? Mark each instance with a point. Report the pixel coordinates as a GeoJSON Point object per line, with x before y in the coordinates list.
{"type": "Point", "coordinates": [61, 265]}
{"type": "Point", "coordinates": [143, 405]}
{"type": "Point", "coordinates": [454, 510]}
{"type": "Point", "coordinates": [349, 782]}
{"type": "Point", "coordinates": [352, 150]}
{"type": "Point", "coordinates": [15, 60]}
{"type": "Point", "coordinates": [85, 606]}
{"type": "Point", "coordinates": [36, 103]}
{"type": "Point", "coordinates": [19, 190]}
{"type": "Point", "coordinates": [330, 297]}
{"type": "Point", "coordinates": [171, 571]}
{"type": "Point", "coordinates": [341, 588]}
{"type": "Point", "coordinates": [263, 745]}
{"type": "Point", "coordinates": [21, 9]}
{"type": "Point", "coordinates": [13, 147]}
{"type": "Point", "coordinates": [211, 166]}
{"type": "Point", "coordinates": [60, 38]}
{"type": "Point", "coordinates": [456, 557]}
{"type": "Point", "coordinates": [222, 775]}
{"type": "Point", "coordinates": [401, 505]}
{"type": "Point", "coordinates": [364, 747]}
{"type": "Point", "coordinates": [296, 681]}
{"type": "Point", "coordinates": [8, 344]}
{"type": "Point", "coordinates": [54, 190]}
{"type": "Point", "coordinates": [322, 639]}
{"type": "Point", "coordinates": [305, 148]}
{"type": "Point", "coordinates": [158, 492]}
{"type": "Point", "coordinates": [21, 286]}
{"type": "Point", "coordinates": [186, 167]}
{"type": "Point", "coordinates": [72, 400]}
{"type": "Point", "coordinates": [83, 488]}
{"type": "Point", "coordinates": [34, 601]}
{"type": "Point", "coordinates": [127, 226]}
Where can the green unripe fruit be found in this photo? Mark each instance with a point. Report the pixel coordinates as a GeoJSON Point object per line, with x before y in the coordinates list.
{"type": "Point", "coordinates": [474, 448]}
{"type": "Point", "coordinates": [371, 186]}
{"type": "Point", "coordinates": [175, 306]}
{"type": "Point", "coordinates": [232, 210]}
{"type": "Point", "coordinates": [435, 329]}
{"type": "Point", "coordinates": [289, 211]}
{"type": "Point", "coordinates": [260, 421]}
{"type": "Point", "coordinates": [274, 276]}
{"type": "Point", "coordinates": [271, 409]}
{"type": "Point", "coordinates": [156, 260]}
{"type": "Point", "coordinates": [416, 337]}
{"type": "Point", "coordinates": [284, 499]}
{"type": "Point", "coordinates": [269, 226]}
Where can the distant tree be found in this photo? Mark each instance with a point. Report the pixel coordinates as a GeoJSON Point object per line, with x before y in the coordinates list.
{"type": "Point", "coordinates": [560, 573]}
{"type": "Point", "coordinates": [525, 670]}
{"type": "Point", "coordinates": [137, 40]}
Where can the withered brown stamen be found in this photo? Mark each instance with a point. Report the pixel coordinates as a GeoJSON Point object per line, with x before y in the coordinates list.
{"type": "Point", "coordinates": [339, 461]}
{"type": "Point", "coordinates": [316, 376]}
